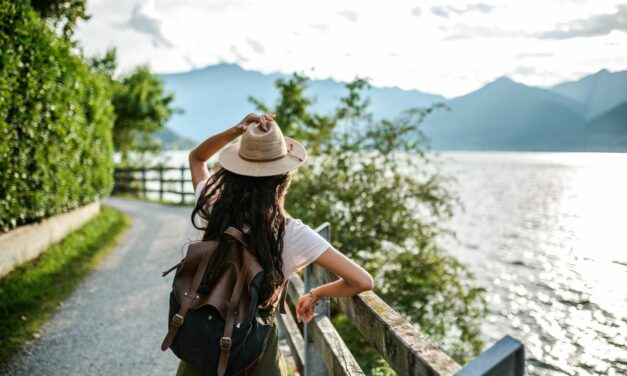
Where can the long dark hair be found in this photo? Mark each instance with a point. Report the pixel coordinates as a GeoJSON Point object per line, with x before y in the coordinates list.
{"type": "Point", "coordinates": [256, 202]}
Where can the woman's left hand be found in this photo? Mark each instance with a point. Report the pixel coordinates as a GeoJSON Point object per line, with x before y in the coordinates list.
{"type": "Point", "coordinates": [305, 308]}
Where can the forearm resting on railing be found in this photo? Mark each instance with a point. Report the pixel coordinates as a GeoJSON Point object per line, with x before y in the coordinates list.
{"type": "Point", "coordinates": [339, 289]}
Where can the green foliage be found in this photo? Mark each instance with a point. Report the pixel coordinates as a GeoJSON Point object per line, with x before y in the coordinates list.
{"type": "Point", "coordinates": [142, 107]}
{"type": "Point", "coordinates": [55, 122]}
{"type": "Point", "coordinates": [376, 184]}
{"type": "Point", "coordinates": [30, 294]}
{"type": "Point", "coordinates": [292, 108]}
{"type": "Point", "coordinates": [63, 14]}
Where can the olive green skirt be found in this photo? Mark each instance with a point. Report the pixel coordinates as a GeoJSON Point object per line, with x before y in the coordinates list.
{"type": "Point", "coordinates": [271, 363]}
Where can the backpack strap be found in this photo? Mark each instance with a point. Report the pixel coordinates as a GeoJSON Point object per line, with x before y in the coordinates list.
{"type": "Point", "coordinates": [225, 341]}
{"type": "Point", "coordinates": [237, 234]}
{"type": "Point", "coordinates": [191, 295]}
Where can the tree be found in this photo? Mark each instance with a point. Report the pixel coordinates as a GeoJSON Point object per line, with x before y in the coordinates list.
{"type": "Point", "coordinates": [375, 182]}
{"type": "Point", "coordinates": [63, 14]}
{"type": "Point", "coordinates": [142, 107]}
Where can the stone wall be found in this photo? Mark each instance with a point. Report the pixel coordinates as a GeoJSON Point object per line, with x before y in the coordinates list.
{"type": "Point", "coordinates": [27, 242]}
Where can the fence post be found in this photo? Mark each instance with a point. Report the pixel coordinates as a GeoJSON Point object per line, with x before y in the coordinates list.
{"type": "Point", "coordinates": [144, 181]}
{"type": "Point", "coordinates": [116, 180]}
{"type": "Point", "coordinates": [182, 184]}
{"type": "Point", "coordinates": [128, 180]}
{"type": "Point", "coordinates": [313, 364]}
{"type": "Point", "coordinates": [160, 182]}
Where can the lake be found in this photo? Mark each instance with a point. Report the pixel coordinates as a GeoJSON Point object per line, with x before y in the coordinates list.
{"type": "Point", "coordinates": [546, 235]}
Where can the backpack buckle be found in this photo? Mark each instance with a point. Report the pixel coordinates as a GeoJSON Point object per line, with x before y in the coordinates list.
{"type": "Point", "coordinates": [177, 320]}
{"type": "Point", "coordinates": [225, 342]}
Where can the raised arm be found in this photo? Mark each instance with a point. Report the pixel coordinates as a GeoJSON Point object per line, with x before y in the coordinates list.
{"type": "Point", "coordinates": [353, 280]}
{"type": "Point", "coordinates": [199, 156]}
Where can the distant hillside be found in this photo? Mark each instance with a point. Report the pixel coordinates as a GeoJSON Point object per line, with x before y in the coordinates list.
{"type": "Point", "coordinates": [505, 115]}
{"type": "Point", "coordinates": [171, 140]}
{"type": "Point", "coordinates": [598, 92]}
{"type": "Point", "coordinates": [215, 97]}
{"type": "Point", "coordinates": [502, 115]}
{"type": "Point", "coordinates": [607, 132]}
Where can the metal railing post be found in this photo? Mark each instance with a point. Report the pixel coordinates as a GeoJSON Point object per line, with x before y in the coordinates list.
{"type": "Point", "coordinates": [323, 308]}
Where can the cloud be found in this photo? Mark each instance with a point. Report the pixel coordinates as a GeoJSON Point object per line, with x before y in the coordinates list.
{"type": "Point", "coordinates": [416, 11]}
{"type": "Point", "coordinates": [525, 55]}
{"type": "Point", "coordinates": [599, 24]}
{"type": "Point", "coordinates": [146, 20]}
{"type": "Point", "coordinates": [446, 11]}
{"type": "Point", "coordinates": [258, 47]}
{"type": "Point", "coordinates": [525, 70]}
{"type": "Point", "coordinates": [350, 15]}
{"type": "Point", "coordinates": [463, 32]}
{"type": "Point", "coordinates": [238, 55]}
{"type": "Point", "coordinates": [323, 28]}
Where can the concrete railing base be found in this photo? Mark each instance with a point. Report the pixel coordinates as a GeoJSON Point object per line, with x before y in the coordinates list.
{"type": "Point", "coordinates": [29, 241]}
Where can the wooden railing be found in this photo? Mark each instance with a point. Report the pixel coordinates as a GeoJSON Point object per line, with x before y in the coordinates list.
{"type": "Point", "coordinates": [406, 350]}
{"type": "Point", "coordinates": [159, 182]}
{"type": "Point", "coordinates": [317, 347]}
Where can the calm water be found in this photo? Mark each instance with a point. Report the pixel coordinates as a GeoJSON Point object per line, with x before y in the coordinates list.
{"type": "Point", "coordinates": [546, 234]}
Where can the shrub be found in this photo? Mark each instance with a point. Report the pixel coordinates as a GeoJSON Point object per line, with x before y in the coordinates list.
{"type": "Point", "coordinates": [374, 181]}
{"type": "Point", "coordinates": [55, 122]}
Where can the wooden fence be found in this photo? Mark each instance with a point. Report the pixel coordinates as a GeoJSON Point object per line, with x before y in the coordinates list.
{"type": "Point", "coordinates": [317, 347]}
{"type": "Point", "coordinates": [159, 182]}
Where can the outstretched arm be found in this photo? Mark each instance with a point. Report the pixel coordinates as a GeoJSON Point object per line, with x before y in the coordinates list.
{"type": "Point", "coordinates": [353, 280]}
{"type": "Point", "coordinates": [206, 149]}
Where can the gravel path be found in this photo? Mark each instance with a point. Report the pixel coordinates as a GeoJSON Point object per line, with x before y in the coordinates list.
{"type": "Point", "coordinates": [113, 324]}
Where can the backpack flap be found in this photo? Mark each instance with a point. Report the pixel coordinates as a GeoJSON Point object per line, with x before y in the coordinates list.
{"type": "Point", "coordinates": [223, 287]}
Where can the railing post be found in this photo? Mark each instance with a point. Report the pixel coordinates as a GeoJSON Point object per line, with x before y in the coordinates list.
{"type": "Point", "coordinates": [116, 180]}
{"type": "Point", "coordinates": [182, 184]}
{"type": "Point", "coordinates": [144, 181]}
{"type": "Point", "coordinates": [160, 182]}
{"type": "Point", "coordinates": [312, 366]}
{"type": "Point", "coordinates": [128, 179]}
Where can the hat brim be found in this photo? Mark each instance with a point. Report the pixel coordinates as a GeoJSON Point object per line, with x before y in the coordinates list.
{"type": "Point", "coordinates": [231, 160]}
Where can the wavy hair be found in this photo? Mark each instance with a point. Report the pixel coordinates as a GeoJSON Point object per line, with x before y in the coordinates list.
{"type": "Point", "coordinates": [238, 201]}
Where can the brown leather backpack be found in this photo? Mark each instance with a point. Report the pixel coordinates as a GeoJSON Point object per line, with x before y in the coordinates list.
{"type": "Point", "coordinates": [222, 332]}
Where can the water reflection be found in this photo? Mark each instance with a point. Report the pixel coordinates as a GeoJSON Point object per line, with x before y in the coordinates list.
{"type": "Point", "coordinates": [546, 233]}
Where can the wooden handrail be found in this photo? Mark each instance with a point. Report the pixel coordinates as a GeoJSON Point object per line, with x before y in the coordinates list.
{"type": "Point", "coordinates": [406, 350]}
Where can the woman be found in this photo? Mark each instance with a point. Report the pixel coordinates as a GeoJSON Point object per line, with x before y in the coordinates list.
{"type": "Point", "coordinates": [248, 192]}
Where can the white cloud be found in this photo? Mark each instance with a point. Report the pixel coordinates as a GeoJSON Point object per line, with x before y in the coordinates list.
{"type": "Point", "coordinates": [145, 19]}
{"type": "Point", "coordinates": [595, 25]}
{"type": "Point", "coordinates": [394, 43]}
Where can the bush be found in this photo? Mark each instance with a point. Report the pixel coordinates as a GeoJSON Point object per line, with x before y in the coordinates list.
{"type": "Point", "coordinates": [380, 189]}
{"type": "Point", "coordinates": [55, 122]}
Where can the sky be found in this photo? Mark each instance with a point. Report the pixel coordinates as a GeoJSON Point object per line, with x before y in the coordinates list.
{"type": "Point", "coordinates": [442, 47]}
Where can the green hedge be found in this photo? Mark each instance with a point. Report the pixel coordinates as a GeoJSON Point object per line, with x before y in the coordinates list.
{"type": "Point", "coordinates": [55, 122]}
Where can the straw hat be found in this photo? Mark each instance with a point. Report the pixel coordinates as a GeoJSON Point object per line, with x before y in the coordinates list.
{"type": "Point", "coordinates": [263, 153]}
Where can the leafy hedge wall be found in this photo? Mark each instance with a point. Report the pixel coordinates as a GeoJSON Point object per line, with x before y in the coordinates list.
{"type": "Point", "coordinates": [55, 122]}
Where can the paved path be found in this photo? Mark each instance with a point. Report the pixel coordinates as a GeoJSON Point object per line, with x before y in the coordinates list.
{"type": "Point", "coordinates": [113, 324]}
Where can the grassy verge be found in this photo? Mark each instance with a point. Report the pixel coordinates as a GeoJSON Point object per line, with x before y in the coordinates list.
{"type": "Point", "coordinates": [30, 293]}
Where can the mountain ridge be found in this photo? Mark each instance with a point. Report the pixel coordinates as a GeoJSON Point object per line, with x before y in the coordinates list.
{"type": "Point", "coordinates": [502, 115]}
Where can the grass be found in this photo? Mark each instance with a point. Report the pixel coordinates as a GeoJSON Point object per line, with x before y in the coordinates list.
{"type": "Point", "coordinates": [30, 294]}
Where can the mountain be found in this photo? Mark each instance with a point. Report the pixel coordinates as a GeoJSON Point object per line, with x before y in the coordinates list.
{"type": "Point", "coordinates": [598, 92]}
{"type": "Point", "coordinates": [605, 132]}
{"type": "Point", "coordinates": [505, 115]}
{"type": "Point", "coordinates": [171, 140]}
{"type": "Point", "coordinates": [215, 97]}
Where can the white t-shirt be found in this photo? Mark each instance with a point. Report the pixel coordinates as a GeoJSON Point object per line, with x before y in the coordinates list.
{"type": "Point", "coordinates": [301, 244]}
